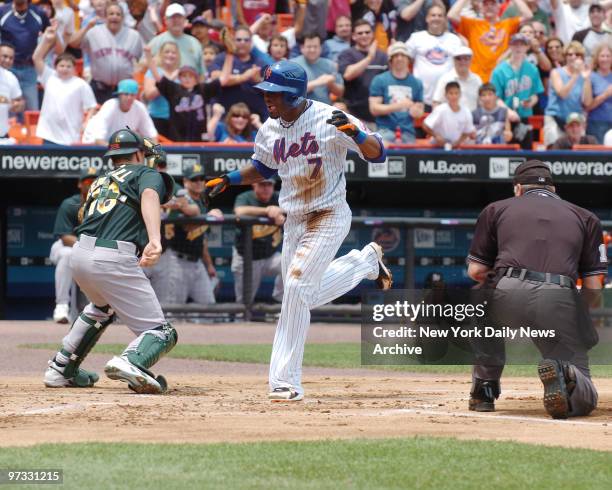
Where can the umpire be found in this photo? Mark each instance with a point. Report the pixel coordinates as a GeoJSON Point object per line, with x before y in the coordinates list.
{"type": "Point", "coordinates": [539, 244]}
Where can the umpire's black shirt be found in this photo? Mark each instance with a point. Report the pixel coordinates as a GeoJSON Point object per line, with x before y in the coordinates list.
{"type": "Point", "coordinates": [540, 232]}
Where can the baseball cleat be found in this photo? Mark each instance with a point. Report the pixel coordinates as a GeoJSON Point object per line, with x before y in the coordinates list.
{"type": "Point", "coordinates": [61, 313]}
{"type": "Point", "coordinates": [285, 395]}
{"type": "Point", "coordinates": [137, 379]}
{"type": "Point", "coordinates": [556, 397]}
{"type": "Point", "coordinates": [55, 379]}
{"type": "Point", "coordinates": [384, 280]}
{"type": "Point", "coordinates": [483, 395]}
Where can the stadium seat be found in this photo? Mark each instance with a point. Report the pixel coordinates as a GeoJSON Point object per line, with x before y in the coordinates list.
{"type": "Point", "coordinates": [505, 146]}
{"type": "Point", "coordinates": [284, 22]}
{"type": "Point", "coordinates": [537, 122]}
{"type": "Point", "coordinates": [30, 119]}
{"type": "Point", "coordinates": [591, 147]}
{"type": "Point", "coordinates": [78, 67]}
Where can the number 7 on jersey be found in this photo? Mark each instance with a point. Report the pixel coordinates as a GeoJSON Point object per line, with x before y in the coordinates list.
{"type": "Point", "coordinates": [317, 162]}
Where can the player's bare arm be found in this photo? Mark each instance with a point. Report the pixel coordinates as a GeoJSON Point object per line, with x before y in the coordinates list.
{"type": "Point", "coordinates": [150, 208]}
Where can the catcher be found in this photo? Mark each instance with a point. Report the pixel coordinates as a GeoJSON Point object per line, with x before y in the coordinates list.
{"type": "Point", "coordinates": [120, 208]}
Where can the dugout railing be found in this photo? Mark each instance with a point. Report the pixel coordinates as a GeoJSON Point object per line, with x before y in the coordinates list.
{"type": "Point", "coordinates": [407, 227]}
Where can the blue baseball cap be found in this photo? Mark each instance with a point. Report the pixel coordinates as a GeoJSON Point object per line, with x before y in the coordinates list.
{"type": "Point", "coordinates": [127, 86]}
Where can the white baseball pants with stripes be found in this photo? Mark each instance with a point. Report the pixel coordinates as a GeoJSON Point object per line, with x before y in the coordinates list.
{"type": "Point", "coordinates": [313, 278]}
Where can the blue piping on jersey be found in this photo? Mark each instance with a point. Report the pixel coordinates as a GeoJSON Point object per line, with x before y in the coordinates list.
{"type": "Point", "coordinates": [264, 171]}
{"type": "Point", "coordinates": [383, 151]}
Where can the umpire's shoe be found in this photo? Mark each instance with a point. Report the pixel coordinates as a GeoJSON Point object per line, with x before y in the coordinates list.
{"type": "Point", "coordinates": [559, 380]}
{"type": "Point", "coordinates": [138, 379]}
{"type": "Point", "coordinates": [483, 395]}
{"type": "Point", "coordinates": [54, 378]}
{"type": "Point", "coordinates": [384, 280]}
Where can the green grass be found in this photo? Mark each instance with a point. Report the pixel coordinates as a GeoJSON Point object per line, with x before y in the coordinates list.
{"type": "Point", "coordinates": [425, 463]}
{"type": "Point", "coordinates": [337, 355]}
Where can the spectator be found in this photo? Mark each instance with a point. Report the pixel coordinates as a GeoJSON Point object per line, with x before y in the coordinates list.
{"type": "Point", "coordinates": [450, 124]}
{"type": "Point", "coordinates": [555, 52]}
{"type": "Point", "coordinates": [379, 18]}
{"type": "Point", "coordinates": [11, 99]}
{"type": "Point", "coordinates": [315, 15]}
{"type": "Point", "coordinates": [209, 55]}
{"type": "Point", "coordinates": [470, 82]}
{"type": "Point", "coordinates": [119, 112]}
{"type": "Point", "coordinates": [240, 125]}
{"type": "Point", "coordinates": [65, 21]}
{"type": "Point", "coordinates": [245, 73]}
{"type": "Point", "coordinates": [199, 30]}
{"type": "Point", "coordinates": [568, 91]}
{"type": "Point", "coordinates": [540, 32]}
{"type": "Point", "coordinates": [539, 15]}
{"type": "Point", "coordinates": [594, 35]}
{"type": "Point", "coordinates": [189, 47]}
{"type": "Point", "coordinates": [341, 104]}
{"type": "Point", "coordinates": [248, 10]}
{"type": "Point", "coordinates": [168, 62]}
{"type": "Point", "coordinates": [358, 66]}
{"type": "Point", "coordinates": [187, 99]}
{"type": "Point", "coordinates": [490, 118]}
{"type": "Point", "coordinates": [411, 17]}
{"type": "Point", "coordinates": [518, 84]}
{"type": "Point", "coordinates": [431, 51]}
{"type": "Point", "coordinates": [7, 56]}
{"type": "Point", "coordinates": [569, 18]}
{"type": "Point", "coordinates": [396, 97]}
{"type": "Point", "coordinates": [600, 103]}
{"type": "Point", "coordinates": [608, 138]}
{"type": "Point", "coordinates": [96, 14]}
{"type": "Point", "coordinates": [67, 97]}
{"type": "Point", "coordinates": [575, 126]}
{"type": "Point", "coordinates": [278, 48]}
{"type": "Point", "coordinates": [323, 77]}
{"type": "Point", "coordinates": [341, 40]}
{"type": "Point", "coordinates": [488, 37]}
{"type": "Point", "coordinates": [20, 25]}
{"type": "Point", "coordinates": [261, 201]}
{"type": "Point", "coordinates": [535, 55]}
{"type": "Point", "coordinates": [262, 31]}
{"type": "Point", "coordinates": [143, 18]}
{"type": "Point", "coordinates": [112, 49]}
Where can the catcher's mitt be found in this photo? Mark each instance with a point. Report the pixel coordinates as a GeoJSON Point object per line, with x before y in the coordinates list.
{"type": "Point", "coordinates": [227, 38]}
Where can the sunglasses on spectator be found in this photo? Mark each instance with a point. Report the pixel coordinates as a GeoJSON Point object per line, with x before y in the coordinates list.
{"type": "Point", "coordinates": [241, 116]}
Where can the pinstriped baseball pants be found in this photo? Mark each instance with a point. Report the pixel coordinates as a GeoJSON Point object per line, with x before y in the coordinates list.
{"type": "Point", "coordinates": [312, 278]}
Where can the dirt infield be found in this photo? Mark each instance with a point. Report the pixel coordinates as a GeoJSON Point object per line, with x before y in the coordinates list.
{"type": "Point", "coordinates": [219, 401]}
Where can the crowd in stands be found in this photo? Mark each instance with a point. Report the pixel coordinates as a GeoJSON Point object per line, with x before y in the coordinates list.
{"type": "Point", "coordinates": [534, 73]}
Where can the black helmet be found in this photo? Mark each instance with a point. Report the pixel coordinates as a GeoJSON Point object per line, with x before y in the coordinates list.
{"type": "Point", "coordinates": [124, 142]}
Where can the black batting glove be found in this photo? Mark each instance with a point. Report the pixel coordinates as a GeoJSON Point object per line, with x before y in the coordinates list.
{"type": "Point", "coordinates": [343, 123]}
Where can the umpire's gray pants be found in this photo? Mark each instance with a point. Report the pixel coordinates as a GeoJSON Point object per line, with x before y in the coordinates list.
{"type": "Point", "coordinates": [562, 316]}
{"type": "Point", "coordinates": [270, 266]}
{"type": "Point", "coordinates": [113, 277]}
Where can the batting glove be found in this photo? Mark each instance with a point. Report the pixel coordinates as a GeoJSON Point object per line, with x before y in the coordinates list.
{"type": "Point", "coordinates": [343, 123]}
{"type": "Point", "coordinates": [216, 186]}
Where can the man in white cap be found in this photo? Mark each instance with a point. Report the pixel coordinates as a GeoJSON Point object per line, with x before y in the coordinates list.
{"type": "Point", "coordinates": [575, 134]}
{"type": "Point", "coordinates": [189, 47]}
{"type": "Point", "coordinates": [461, 73]}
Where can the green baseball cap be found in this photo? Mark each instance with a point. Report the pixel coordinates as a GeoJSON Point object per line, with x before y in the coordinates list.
{"type": "Point", "coordinates": [193, 171]}
{"type": "Point", "coordinates": [89, 173]}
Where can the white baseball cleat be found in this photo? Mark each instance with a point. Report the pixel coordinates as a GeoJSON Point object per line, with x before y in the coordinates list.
{"type": "Point", "coordinates": [61, 313]}
{"type": "Point", "coordinates": [138, 380]}
{"type": "Point", "coordinates": [384, 280]}
{"type": "Point", "coordinates": [285, 395]}
{"type": "Point", "coordinates": [54, 378]}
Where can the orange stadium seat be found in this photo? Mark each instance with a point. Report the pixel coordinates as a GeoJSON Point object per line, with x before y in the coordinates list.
{"type": "Point", "coordinates": [537, 122]}
{"type": "Point", "coordinates": [78, 67]}
{"type": "Point", "coordinates": [30, 119]}
{"type": "Point", "coordinates": [591, 147]}
{"type": "Point", "coordinates": [284, 22]}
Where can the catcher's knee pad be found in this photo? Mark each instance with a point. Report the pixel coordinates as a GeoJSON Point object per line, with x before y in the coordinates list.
{"type": "Point", "coordinates": [153, 345]}
{"type": "Point", "coordinates": [87, 332]}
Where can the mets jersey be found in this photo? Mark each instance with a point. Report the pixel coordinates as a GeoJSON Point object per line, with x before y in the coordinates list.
{"type": "Point", "coordinates": [309, 155]}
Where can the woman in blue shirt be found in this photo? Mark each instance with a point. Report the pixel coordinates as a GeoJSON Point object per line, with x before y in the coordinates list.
{"type": "Point", "coordinates": [600, 105]}
{"type": "Point", "coordinates": [168, 61]}
{"type": "Point", "coordinates": [568, 91]}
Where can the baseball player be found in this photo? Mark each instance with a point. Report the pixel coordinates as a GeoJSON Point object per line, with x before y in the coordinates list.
{"type": "Point", "coordinates": [187, 262]}
{"type": "Point", "coordinates": [121, 207]}
{"type": "Point", "coordinates": [305, 142]}
{"type": "Point", "coordinates": [66, 221]}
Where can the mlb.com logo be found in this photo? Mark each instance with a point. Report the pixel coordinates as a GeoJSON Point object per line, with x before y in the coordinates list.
{"type": "Point", "coordinates": [503, 167]}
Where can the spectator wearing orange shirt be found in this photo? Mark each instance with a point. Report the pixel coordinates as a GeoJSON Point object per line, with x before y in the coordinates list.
{"type": "Point", "coordinates": [488, 37]}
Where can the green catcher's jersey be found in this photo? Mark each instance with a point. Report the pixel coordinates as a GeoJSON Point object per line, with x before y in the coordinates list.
{"type": "Point", "coordinates": [112, 207]}
{"type": "Point", "coordinates": [67, 218]}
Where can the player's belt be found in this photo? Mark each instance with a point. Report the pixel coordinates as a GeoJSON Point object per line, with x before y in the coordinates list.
{"type": "Point", "coordinates": [90, 241]}
{"type": "Point", "coordinates": [527, 275]}
{"type": "Point", "coordinates": [190, 258]}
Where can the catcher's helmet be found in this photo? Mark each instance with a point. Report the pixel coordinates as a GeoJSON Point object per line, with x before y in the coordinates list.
{"type": "Point", "coordinates": [124, 142]}
{"type": "Point", "coordinates": [286, 77]}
